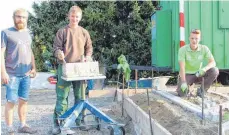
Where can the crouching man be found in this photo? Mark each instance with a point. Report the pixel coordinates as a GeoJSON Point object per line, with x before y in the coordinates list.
{"type": "Point", "coordinates": [191, 58]}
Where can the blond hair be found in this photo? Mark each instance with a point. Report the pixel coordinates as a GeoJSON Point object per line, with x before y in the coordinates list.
{"type": "Point", "coordinates": [20, 10]}
{"type": "Point", "coordinates": [75, 9]}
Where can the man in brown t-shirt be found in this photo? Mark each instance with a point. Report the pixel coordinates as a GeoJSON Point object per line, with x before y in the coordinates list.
{"type": "Point", "coordinates": [70, 44]}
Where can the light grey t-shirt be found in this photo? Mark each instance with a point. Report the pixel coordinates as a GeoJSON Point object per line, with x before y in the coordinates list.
{"type": "Point", "coordinates": [18, 51]}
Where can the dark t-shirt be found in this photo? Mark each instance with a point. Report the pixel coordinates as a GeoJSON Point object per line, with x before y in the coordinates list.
{"type": "Point", "coordinates": [18, 51]}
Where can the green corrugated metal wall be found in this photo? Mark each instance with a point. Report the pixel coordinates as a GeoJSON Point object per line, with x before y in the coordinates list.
{"type": "Point", "coordinates": [214, 24]}
{"type": "Point", "coordinates": [211, 17]}
{"type": "Point", "coordinates": [162, 39]}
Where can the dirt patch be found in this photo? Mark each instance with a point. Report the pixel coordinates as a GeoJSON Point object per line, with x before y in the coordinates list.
{"type": "Point", "coordinates": [176, 120]}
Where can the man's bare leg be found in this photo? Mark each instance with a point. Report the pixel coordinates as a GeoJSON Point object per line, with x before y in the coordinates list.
{"type": "Point", "coordinates": [9, 112]}
{"type": "Point", "coordinates": [22, 111]}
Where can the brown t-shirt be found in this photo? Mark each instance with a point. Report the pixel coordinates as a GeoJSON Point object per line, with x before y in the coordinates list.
{"type": "Point", "coordinates": [74, 42]}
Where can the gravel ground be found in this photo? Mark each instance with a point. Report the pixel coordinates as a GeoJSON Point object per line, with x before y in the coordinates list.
{"type": "Point", "coordinates": [42, 103]}
{"type": "Point", "coordinates": [40, 112]}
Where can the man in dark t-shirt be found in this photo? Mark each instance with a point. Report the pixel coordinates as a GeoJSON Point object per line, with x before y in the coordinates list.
{"type": "Point", "coordinates": [17, 67]}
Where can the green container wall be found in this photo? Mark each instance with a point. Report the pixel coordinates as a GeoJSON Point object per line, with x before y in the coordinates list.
{"type": "Point", "coordinates": [211, 17]}
{"type": "Point", "coordinates": [160, 49]}
{"type": "Point", "coordinates": [161, 39]}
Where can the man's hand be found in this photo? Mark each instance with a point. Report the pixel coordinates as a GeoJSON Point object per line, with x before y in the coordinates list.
{"type": "Point", "coordinates": [200, 73]}
{"type": "Point", "coordinates": [32, 73]}
{"type": "Point", "coordinates": [60, 55]}
{"type": "Point", "coordinates": [184, 87]}
{"type": "Point", "coordinates": [88, 59]}
{"type": "Point", "coordinates": [5, 78]}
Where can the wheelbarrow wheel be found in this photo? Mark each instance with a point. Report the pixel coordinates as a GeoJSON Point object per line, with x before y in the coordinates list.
{"type": "Point", "coordinates": [112, 131]}
{"type": "Point", "coordinates": [122, 130]}
{"type": "Point", "coordinates": [98, 121]}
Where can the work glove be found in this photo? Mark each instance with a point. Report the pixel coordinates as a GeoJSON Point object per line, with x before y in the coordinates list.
{"type": "Point", "coordinates": [200, 73]}
{"type": "Point", "coordinates": [184, 87]}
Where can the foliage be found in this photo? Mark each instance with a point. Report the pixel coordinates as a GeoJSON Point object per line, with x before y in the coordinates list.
{"type": "Point", "coordinates": [124, 66]}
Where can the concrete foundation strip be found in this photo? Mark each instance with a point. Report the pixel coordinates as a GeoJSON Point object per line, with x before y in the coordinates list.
{"type": "Point", "coordinates": [220, 94]}
{"type": "Point", "coordinates": [209, 113]}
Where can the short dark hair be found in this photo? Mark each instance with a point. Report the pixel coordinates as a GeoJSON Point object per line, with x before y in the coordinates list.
{"type": "Point", "coordinates": [196, 31]}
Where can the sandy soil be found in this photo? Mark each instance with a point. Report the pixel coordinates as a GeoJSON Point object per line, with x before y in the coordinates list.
{"type": "Point", "coordinates": [174, 118]}
{"type": "Point", "coordinates": [40, 112]}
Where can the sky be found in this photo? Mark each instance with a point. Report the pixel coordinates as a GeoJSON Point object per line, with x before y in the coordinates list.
{"type": "Point", "coordinates": [6, 10]}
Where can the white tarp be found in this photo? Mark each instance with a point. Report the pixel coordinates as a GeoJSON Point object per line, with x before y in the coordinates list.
{"type": "Point", "coordinates": [41, 81]}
